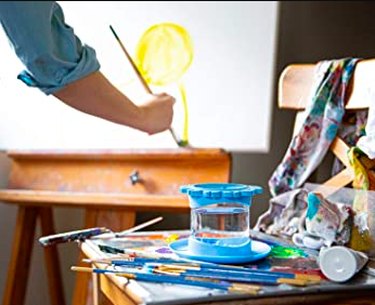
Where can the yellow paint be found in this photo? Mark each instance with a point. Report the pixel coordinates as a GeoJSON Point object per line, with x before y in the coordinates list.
{"type": "Point", "coordinates": [172, 238]}
{"type": "Point", "coordinates": [163, 55]}
{"type": "Point", "coordinates": [185, 133]}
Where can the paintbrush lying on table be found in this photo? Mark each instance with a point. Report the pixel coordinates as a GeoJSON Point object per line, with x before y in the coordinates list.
{"type": "Point", "coordinates": [212, 271]}
{"type": "Point", "coordinates": [97, 233]}
{"type": "Point", "coordinates": [247, 276]}
{"type": "Point", "coordinates": [184, 265]}
{"type": "Point", "coordinates": [176, 279]}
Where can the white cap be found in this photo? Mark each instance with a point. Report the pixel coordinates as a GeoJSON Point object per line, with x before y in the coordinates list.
{"type": "Point", "coordinates": [338, 264]}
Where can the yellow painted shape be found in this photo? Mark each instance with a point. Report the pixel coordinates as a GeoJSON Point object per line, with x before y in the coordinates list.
{"type": "Point", "coordinates": [164, 53]}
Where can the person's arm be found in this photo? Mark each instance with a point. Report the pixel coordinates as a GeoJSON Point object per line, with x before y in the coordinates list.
{"type": "Point", "coordinates": [95, 95]}
{"type": "Point", "coordinates": [58, 63]}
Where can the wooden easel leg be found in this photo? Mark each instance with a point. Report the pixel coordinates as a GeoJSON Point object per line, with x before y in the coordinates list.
{"type": "Point", "coordinates": [95, 288]}
{"type": "Point", "coordinates": [18, 270]}
{"type": "Point", "coordinates": [113, 220]}
{"type": "Point", "coordinates": [82, 288]}
{"type": "Point", "coordinates": [56, 290]}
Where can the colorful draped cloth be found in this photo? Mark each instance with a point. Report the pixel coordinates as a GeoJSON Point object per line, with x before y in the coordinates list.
{"type": "Point", "coordinates": [323, 118]}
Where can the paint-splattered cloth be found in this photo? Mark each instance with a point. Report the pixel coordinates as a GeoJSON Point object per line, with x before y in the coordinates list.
{"type": "Point", "coordinates": [352, 128]}
{"type": "Point", "coordinates": [323, 118]}
{"type": "Point", "coordinates": [307, 218]}
{"type": "Point", "coordinates": [367, 142]}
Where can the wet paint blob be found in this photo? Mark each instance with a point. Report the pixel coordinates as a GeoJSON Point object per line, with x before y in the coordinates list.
{"type": "Point", "coordinates": [164, 53]}
{"type": "Point", "coordinates": [286, 252]}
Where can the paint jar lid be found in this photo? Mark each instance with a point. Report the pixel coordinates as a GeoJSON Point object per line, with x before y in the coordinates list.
{"type": "Point", "coordinates": [210, 193]}
{"type": "Point", "coordinates": [338, 263]}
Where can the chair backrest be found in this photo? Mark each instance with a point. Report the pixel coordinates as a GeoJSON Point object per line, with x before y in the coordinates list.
{"type": "Point", "coordinates": [294, 89]}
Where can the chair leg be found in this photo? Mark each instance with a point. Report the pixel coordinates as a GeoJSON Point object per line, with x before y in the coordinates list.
{"type": "Point", "coordinates": [55, 284]}
{"type": "Point", "coordinates": [19, 266]}
{"type": "Point", "coordinates": [113, 220]}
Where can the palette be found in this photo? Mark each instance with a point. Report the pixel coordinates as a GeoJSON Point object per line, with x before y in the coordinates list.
{"type": "Point", "coordinates": [284, 257]}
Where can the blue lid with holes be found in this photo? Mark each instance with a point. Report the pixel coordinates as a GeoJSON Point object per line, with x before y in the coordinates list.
{"type": "Point", "coordinates": [211, 193]}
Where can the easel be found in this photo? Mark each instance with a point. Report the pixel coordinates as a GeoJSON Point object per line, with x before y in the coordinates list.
{"type": "Point", "coordinates": [111, 185]}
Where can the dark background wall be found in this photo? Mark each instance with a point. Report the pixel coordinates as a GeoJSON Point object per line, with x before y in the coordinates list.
{"type": "Point", "coordinates": [309, 31]}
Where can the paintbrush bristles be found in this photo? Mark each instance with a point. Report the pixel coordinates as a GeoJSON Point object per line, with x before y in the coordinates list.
{"type": "Point", "coordinates": [81, 269]}
{"type": "Point", "coordinates": [97, 261]}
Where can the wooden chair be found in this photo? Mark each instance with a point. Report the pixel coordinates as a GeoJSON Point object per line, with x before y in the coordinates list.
{"type": "Point", "coordinates": [295, 85]}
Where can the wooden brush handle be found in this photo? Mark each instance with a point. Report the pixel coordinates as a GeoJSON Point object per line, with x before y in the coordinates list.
{"type": "Point", "coordinates": [135, 68]}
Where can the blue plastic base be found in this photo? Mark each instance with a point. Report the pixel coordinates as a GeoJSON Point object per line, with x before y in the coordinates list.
{"type": "Point", "coordinates": [256, 251]}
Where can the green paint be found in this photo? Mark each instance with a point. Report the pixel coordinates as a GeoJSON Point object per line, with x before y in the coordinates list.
{"type": "Point", "coordinates": [286, 252]}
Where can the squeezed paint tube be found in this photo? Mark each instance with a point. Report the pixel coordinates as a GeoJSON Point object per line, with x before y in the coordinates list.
{"type": "Point", "coordinates": [340, 264]}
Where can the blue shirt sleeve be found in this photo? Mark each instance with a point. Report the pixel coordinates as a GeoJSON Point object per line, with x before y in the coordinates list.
{"type": "Point", "coordinates": [52, 54]}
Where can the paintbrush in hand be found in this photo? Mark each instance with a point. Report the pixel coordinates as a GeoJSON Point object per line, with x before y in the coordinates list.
{"type": "Point", "coordinates": [179, 142]}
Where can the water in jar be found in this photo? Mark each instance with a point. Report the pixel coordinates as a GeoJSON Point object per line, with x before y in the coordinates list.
{"type": "Point", "coordinates": [222, 224]}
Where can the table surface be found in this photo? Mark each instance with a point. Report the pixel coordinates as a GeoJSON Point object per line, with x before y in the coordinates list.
{"type": "Point", "coordinates": [120, 291]}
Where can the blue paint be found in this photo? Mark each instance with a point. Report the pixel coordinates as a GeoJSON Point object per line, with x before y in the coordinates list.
{"type": "Point", "coordinates": [313, 203]}
{"type": "Point", "coordinates": [331, 132]}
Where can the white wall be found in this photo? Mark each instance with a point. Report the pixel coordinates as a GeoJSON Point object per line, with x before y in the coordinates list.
{"type": "Point", "coordinates": [228, 85]}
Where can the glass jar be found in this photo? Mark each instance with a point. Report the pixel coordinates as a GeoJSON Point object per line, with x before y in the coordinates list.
{"type": "Point", "coordinates": [220, 217]}
{"type": "Point", "coordinates": [221, 223]}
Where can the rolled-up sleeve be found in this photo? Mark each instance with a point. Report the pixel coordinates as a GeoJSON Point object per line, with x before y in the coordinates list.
{"type": "Point", "coordinates": [52, 54]}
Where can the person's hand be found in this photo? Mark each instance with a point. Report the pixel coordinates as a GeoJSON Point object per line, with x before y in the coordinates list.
{"type": "Point", "coordinates": [156, 113]}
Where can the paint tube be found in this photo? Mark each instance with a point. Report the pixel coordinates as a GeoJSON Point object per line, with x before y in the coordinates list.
{"type": "Point", "coordinates": [340, 264]}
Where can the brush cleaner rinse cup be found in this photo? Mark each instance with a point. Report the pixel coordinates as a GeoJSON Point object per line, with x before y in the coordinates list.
{"type": "Point", "coordinates": [220, 222]}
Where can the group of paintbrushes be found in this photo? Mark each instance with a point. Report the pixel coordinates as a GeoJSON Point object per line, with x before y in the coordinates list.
{"type": "Point", "coordinates": [142, 266]}
{"type": "Point", "coordinates": [201, 274]}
